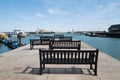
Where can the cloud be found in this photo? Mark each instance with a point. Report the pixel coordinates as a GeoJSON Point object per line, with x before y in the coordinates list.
{"type": "Point", "coordinates": [39, 15]}
{"type": "Point", "coordinates": [57, 12]}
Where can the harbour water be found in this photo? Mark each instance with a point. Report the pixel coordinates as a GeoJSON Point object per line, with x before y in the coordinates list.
{"type": "Point", "coordinates": [108, 45]}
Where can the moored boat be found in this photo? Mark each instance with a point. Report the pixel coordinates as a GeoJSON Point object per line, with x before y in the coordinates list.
{"type": "Point", "coordinates": [3, 36]}
{"type": "Point", "coordinates": [10, 43]}
{"type": "Point", "coordinates": [16, 32]}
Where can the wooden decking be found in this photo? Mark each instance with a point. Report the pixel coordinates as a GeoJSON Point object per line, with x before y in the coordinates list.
{"type": "Point", "coordinates": [23, 64]}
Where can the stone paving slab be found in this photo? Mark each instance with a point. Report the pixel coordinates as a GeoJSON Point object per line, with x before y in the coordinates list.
{"type": "Point", "coordinates": [23, 64]}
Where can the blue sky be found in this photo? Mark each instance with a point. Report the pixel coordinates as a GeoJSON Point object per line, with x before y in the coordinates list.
{"type": "Point", "coordinates": [59, 15]}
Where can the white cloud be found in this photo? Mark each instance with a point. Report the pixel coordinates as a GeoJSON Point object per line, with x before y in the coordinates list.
{"type": "Point", "coordinates": [57, 12]}
{"type": "Point", "coordinates": [39, 15]}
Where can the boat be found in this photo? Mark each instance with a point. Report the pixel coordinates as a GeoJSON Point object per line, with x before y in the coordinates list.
{"type": "Point", "coordinates": [10, 43]}
{"type": "Point", "coordinates": [3, 36]}
{"type": "Point", "coordinates": [17, 31]}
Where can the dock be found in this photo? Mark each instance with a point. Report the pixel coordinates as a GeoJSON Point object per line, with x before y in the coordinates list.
{"type": "Point", "coordinates": [23, 64]}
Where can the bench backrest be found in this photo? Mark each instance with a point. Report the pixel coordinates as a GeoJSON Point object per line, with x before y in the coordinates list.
{"type": "Point", "coordinates": [34, 41]}
{"type": "Point", "coordinates": [46, 38]}
{"type": "Point", "coordinates": [58, 35]}
{"type": "Point", "coordinates": [68, 56]}
{"type": "Point", "coordinates": [65, 38]}
{"type": "Point", "coordinates": [65, 44]}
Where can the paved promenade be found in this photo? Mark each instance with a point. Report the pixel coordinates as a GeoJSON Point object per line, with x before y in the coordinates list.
{"type": "Point", "coordinates": [23, 64]}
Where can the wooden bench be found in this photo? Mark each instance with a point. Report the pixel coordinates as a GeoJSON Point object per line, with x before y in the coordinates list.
{"type": "Point", "coordinates": [64, 38]}
{"type": "Point", "coordinates": [44, 40]}
{"type": "Point", "coordinates": [86, 57]}
{"type": "Point", "coordinates": [47, 38]}
{"type": "Point", "coordinates": [64, 44]}
{"type": "Point", "coordinates": [58, 35]}
{"type": "Point", "coordinates": [34, 42]}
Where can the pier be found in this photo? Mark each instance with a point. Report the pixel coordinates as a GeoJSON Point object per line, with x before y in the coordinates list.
{"type": "Point", "coordinates": [23, 64]}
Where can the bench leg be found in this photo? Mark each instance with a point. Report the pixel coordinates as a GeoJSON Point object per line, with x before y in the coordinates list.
{"type": "Point", "coordinates": [43, 66]}
{"type": "Point", "coordinates": [95, 69]}
{"type": "Point", "coordinates": [31, 46]}
{"type": "Point", "coordinates": [40, 69]}
{"type": "Point", "coordinates": [91, 66]}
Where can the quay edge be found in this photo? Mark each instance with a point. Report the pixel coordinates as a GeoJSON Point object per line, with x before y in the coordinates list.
{"type": "Point", "coordinates": [23, 64]}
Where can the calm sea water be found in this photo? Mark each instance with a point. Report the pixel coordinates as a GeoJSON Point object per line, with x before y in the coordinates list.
{"type": "Point", "coordinates": [110, 46]}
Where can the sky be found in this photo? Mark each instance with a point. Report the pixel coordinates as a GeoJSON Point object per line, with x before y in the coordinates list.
{"type": "Point", "coordinates": [59, 15]}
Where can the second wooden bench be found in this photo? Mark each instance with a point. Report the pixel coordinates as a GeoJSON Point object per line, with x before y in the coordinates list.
{"type": "Point", "coordinates": [65, 44]}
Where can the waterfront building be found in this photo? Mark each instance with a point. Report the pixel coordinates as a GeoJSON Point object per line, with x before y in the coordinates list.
{"type": "Point", "coordinates": [114, 28]}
